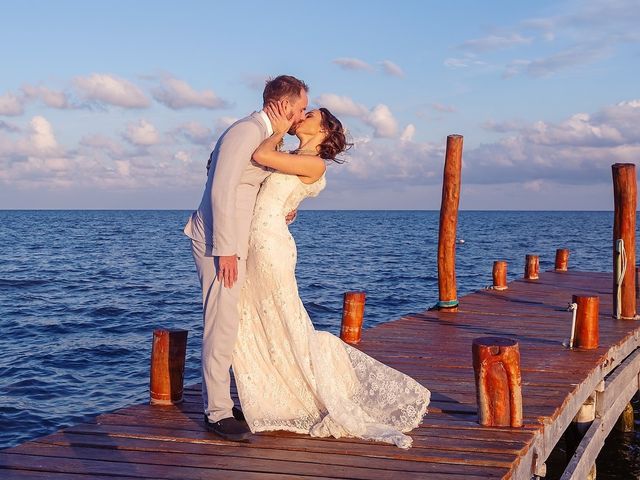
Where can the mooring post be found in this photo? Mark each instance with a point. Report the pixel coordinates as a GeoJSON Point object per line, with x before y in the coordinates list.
{"type": "Point", "coordinates": [352, 316]}
{"type": "Point", "coordinates": [586, 326]}
{"type": "Point", "coordinates": [448, 299]}
{"type": "Point", "coordinates": [562, 260]}
{"type": "Point", "coordinates": [496, 364]}
{"type": "Point", "coordinates": [532, 267]}
{"type": "Point", "coordinates": [624, 240]}
{"type": "Point", "coordinates": [167, 366]}
{"type": "Point", "coordinates": [499, 275]}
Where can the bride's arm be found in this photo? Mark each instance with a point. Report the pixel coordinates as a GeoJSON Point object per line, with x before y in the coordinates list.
{"type": "Point", "coordinates": [266, 155]}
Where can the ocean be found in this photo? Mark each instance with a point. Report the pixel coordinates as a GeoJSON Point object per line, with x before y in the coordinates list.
{"type": "Point", "coordinates": [82, 291]}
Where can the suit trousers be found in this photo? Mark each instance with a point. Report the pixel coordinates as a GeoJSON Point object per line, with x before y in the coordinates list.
{"type": "Point", "coordinates": [221, 318]}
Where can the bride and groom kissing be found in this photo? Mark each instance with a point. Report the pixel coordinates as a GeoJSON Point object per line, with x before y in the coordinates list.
{"type": "Point", "coordinates": [289, 376]}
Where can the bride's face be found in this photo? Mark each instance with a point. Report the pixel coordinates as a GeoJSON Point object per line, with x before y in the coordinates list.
{"type": "Point", "coordinates": [311, 124]}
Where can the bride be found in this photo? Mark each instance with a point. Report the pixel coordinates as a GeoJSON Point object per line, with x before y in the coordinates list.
{"type": "Point", "coordinates": [289, 375]}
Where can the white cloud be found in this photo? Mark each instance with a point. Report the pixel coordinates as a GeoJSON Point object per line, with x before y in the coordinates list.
{"type": "Point", "coordinates": [9, 127]}
{"type": "Point", "coordinates": [51, 98]}
{"type": "Point", "coordinates": [408, 133]}
{"type": "Point", "coordinates": [443, 108]}
{"type": "Point", "coordinates": [352, 64]}
{"type": "Point", "coordinates": [495, 42]}
{"type": "Point", "coordinates": [195, 133]}
{"type": "Point", "coordinates": [41, 136]}
{"type": "Point", "coordinates": [11, 104]}
{"type": "Point", "coordinates": [178, 94]}
{"type": "Point", "coordinates": [392, 69]}
{"type": "Point", "coordinates": [142, 133]}
{"type": "Point", "coordinates": [341, 105]}
{"type": "Point", "coordinates": [382, 121]}
{"type": "Point", "coordinates": [380, 117]}
{"type": "Point", "coordinates": [468, 60]}
{"type": "Point", "coordinates": [111, 90]}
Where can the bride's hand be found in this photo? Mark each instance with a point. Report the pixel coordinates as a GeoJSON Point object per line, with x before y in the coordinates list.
{"type": "Point", "coordinates": [278, 117]}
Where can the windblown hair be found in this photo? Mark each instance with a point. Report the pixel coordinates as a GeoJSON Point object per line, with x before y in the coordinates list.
{"type": "Point", "coordinates": [336, 141]}
{"type": "Point", "coordinates": [283, 86]}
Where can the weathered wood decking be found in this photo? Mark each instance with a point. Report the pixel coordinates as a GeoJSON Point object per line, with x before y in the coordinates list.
{"type": "Point", "coordinates": [142, 441]}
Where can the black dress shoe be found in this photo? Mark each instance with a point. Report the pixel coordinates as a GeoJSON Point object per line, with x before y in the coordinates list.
{"type": "Point", "coordinates": [228, 428]}
{"type": "Point", "coordinates": [238, 415]}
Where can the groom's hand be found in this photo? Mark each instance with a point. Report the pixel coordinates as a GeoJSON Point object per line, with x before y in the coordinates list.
{"type": "Point", "coordinates": [291, 216]}
{"type": "Point", "coordinates": [228, 270]}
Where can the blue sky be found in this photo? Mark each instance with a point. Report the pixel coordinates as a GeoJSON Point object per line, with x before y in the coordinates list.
{"type": "Point", "coordinates": [117, 105]}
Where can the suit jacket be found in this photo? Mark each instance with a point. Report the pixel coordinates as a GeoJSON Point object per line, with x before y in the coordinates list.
{"type": "Point", "coordinates": [223, 219]}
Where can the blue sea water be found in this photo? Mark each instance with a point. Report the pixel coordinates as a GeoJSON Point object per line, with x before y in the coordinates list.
{"type": "Point", "coordinates": [82, 291]}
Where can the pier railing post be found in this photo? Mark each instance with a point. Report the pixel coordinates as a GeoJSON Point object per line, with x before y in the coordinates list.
{"type": "Point", "coordinates": [586, 328]}
{"type": "Point", "coordinates": [532, 267]}
{"type": "Point", "coordinates": [496, 364]}
{"type": "Point", "coordinates": [352, 316]}
{"type": "Point", "coordinates": [168, 354]}
{"type": "Point", "coordinates": [624, 240]}
{"type": "Point", "coordinates": [562, 260]}
{"type": "Point", "coordinates": [448, 299]}
{"type": "Point", "coordinates": [499, 275]}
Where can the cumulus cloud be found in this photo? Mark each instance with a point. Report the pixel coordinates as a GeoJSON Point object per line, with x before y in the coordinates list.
{"type": "Point", "coordinates": [577, 150]}
{"type": "Point", "coordinates": [380, 117]}
{"type": "Point", "coordinates": [11, 104]}
{"type": "Point", "coordinates": [142, 133]}
{"type": "Point", "coordinates": [392, 69]}
{"type": "Point", "coordinates": [407, 133]}
{"type": "Point", "coordinates": [352, 64]}
{"type": "Point", "coordinates": [178, 94]}
{"type": "Point", "coordinates": [111, 90]}
{"type": "Point", "coordinates": [382, 120]}
{"type": "Point", "coordinates": [195, 133]}
{"type": "Point", "coordinates": [41, 136]}
{"type": "Point", "coordinates": [51, 98]}
{"type": "Point", "coordinates": [341, 105]}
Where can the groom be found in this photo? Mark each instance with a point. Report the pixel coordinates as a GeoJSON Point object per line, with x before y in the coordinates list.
{"type": "Point", "coordinates": [219, 232]}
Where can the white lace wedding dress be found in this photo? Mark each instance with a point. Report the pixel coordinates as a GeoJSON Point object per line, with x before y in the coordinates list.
{"type": "Point", "coordinates": [293, 377]}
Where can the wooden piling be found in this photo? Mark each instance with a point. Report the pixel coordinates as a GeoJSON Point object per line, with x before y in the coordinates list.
{"type": "Point", "coordinates": [562, 260]}
{"type": "Point", "coordinates": [499, 275]}
{"type": "Point", "coordinates": [624, 228]}
{"type": "Point", "coordinates": [626, 421]}
{"type": "Point", "coordinates": [496, 364]}
{"type": "Point", "coordinates": [586, 333]}
{"type": "Point", "coordinates": [448, 299]}
{"type": "Point", "coordinates": [532, 267]}
{"type": "Point", "coordinates": [167, 366]}
{"type": "Point", "coordinates": [352, 316]}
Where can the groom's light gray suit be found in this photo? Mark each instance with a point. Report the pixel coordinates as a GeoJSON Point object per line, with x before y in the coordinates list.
{"type": "Point", "coordinates": [220, 226]}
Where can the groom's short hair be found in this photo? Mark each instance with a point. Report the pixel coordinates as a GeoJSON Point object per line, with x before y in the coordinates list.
{"type": "Point", "coordinates": [282, 86]}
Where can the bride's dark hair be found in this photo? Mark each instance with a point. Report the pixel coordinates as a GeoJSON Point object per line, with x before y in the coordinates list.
{"type": "Point", "coordinates": [335, 142]}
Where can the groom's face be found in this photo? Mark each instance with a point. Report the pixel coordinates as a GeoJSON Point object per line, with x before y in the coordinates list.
{"type": "Point", "coordinates": [297, 111]}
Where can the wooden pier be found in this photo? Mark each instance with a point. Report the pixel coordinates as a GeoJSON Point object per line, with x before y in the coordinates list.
{"type": "Point", "coordinates": [170, 442]}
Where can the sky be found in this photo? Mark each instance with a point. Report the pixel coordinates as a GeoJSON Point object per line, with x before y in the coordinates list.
{"type": "Point", "coordinates": [117, 105]}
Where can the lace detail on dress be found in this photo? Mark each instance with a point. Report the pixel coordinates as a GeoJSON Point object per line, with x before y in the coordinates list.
{"type": "Point", "coordinates": [292, 377]}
